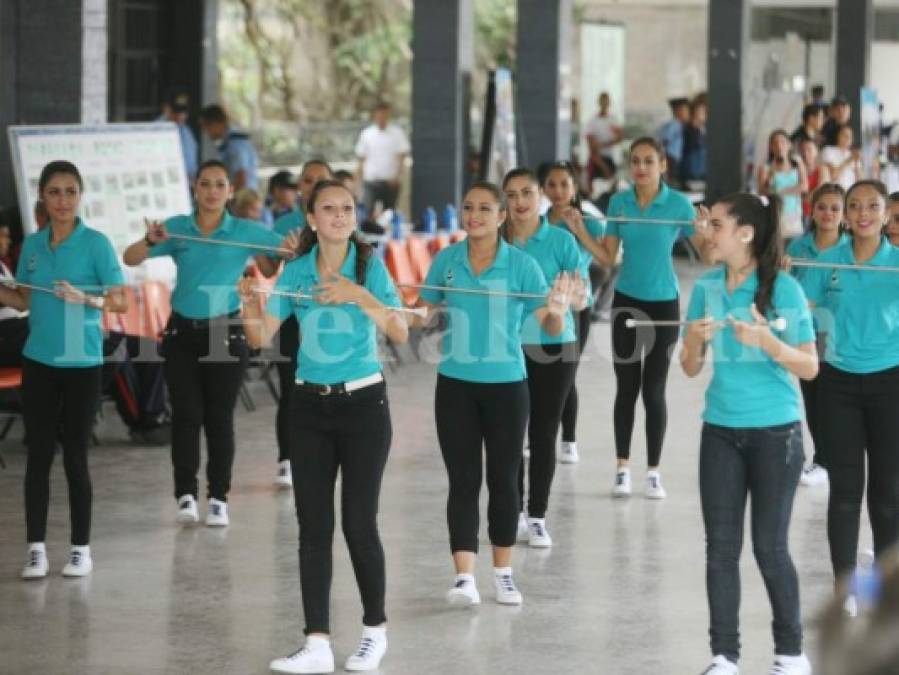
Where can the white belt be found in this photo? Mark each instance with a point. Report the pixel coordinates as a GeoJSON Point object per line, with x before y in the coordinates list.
{"type": "Point", "coordinates": [345, 387]}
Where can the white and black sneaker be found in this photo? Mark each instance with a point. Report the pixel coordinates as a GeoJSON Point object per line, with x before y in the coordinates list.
{"type": "Point", "coordinates": [80, 563]}
{"type": "Point", "coordinates": [464, 592]}
{"type": "Point", "coordinates": [313, 657]}
{"type": "Point", "coordinates": [36, 565]}
{"type": "Point", "coordinates": [622, 483]}
{"type": "Point", "coordinates": [568, 453]}
{"type": "Point", "coordinates": [814, 475]}
{"type": "Point", "coordinates": [720, 665]}
{"type": "Point", "coordinates": [538, 535]}
{"type": "Point", "coordinates": [284, 477]}
{"type": "Point", "coordinates": [654, 489]}
{"type": "Point", "coordinates": [371, 650]}
{"type": "Point", "coordinates": [791, 665]}
{"type": "Point", "coordinates": [217, 514]}
{"type": "Point", "coordinates": [187, 510]}
{"type": "Point", "coordinates": [506, 591]}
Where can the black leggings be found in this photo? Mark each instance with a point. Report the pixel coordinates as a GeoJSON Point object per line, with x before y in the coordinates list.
{"type": "Point", "coordinates": [476, 419]}
{"type": "Point", "coordinates": [350, 433]}
{"type": "Point", "coordinates": [641, 360]}
{"type": "Point", "coordinates": [58, 404]}
{"type": "Point", "coordinates": [204, 369]}
{"type": "Point", "coordinates": [569, 412]}
{"type": "Point", "coordinates": [859, 415]}
{"type": "Point", "coordinates": [288, 345]}
{"type": "Point", "coordinates": [551, 370]}
{"type": "Point", "coordinates": [809, 390]}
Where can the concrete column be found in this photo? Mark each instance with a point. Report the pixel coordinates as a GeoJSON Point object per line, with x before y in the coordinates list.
{"type": "Point", "coordinates": [441, 67]}
{"type": "Point", "coordinates": [728, 43]}
{"type": "Point", "coordinates": [543, 73]}
{"type": "Point", "coordinates": [854, 35]}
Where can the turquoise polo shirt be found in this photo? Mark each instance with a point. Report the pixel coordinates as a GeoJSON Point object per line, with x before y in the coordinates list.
{"type": "Point", "coordinates": [805, 248]}
{"type": "Point", "coordinates": [555, 251]}
{"type": "Point", "coordinates": [858, 310]}
{"type": "Point", "coordinates": [483, 340]}
{"type": "Point", "coordinates": [749, 389]}
{"type": "Point", "coordinates": [293, 220]}
{"type": "Point", "coordinates": [340, 342]}
{"type": "Point", "coordinates": [206, 285]}
{"type": "Point", "coordinates": [647, 269]}
{"type": "Point", "coordinates": [596, 230]}
{"type": "Point", "coordinates": [63, 334]}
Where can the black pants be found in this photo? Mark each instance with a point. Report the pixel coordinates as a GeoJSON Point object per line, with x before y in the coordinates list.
{"type": "Point", "coordinates": [641, 360]}
{"type": "Point", "coordinates": [765, 464]}
{"type": "Point", "coordinates": [551, 370]}
{"type": "Point", "coordinates": [204, 369]}
{"type": "Point", "coordinates": [13, 335]}
{"type": "Point", "coordinates": [858, 415]}
{"type": "Point", "coordinates": [288, 345]}
{"type": "Point", "coordinates": [350, 433]}
{"type": "Point", "coordinates": [59, 404]}
{"type": "Point", "coordinates": [476, 419]}
{"type": "Point", "coordinates": [569, 412]}
{"type": "Point", "coordinates": [809, 390]}
{"type": "Point", "coordinates": [379, 191]}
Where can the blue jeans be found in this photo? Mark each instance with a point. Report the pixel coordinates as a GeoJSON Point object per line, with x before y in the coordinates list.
{"type": "Point", "coordinates": [764, 463]}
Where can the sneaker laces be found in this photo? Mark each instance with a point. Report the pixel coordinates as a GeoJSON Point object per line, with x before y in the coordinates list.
{"type": "Point", "coordinates": [184, 505]}
{"type": "Point", "coordinates": [620, 478]}
{"type": "Point", "coordinates": [538, 528]}
{"type": "Point", "coordinates": [780, 669]}
{"type": "Point", "coordinates": [34, 558]}
{"type": "Point", "coordinates": [505, 583]}
{"type": "Point", "coordinates": [366, 647]}
{"type": "Point", "coordinates": [300, 653]}
{"type": "Point", "coordinates": [654, 482]}
{"type": "Point", "coordinates": [461, 583]}
{"type": "Point", "coordinates": [75, 558]}
{"type": "Point", "coordinates": [216, 509]}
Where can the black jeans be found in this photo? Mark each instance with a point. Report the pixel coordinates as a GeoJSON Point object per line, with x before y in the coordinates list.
{"type": "Point", "coordinates": [289, 344]}
{"type": "Point", "coordinates": [858, 415]}
{"type": "Point", "coordinates": [204, 369]}
{"type": "Point", "coordinates": [59, 404]}
{"type": "Point", "coordinates": [350, 433]}
{"type": "Point", "coordinates": [641, 360]}
{"type": "Point", "coordinates": [765, 464]}
{"type": "Point", "coordinates": [551, 370]}
{"type": "Point", "coordinates": [476, 419]}
{"type": "Point", "coordinates": [569, 412]}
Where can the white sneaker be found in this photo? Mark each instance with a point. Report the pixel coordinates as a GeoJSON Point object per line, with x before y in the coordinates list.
{"type": "Point", "coordinates": [80, 563]}
{"type": "Point", "coordinates": [654, 489]}
{"type": "Point", "coordinates": [524, 532]}
{"type": "Point", "coordinates": [538, 535]}
{"type": "Point", "coordinates": [814, 475]}
{"type": "Point", "coordinates": [313, 657]}
{"type": "Point", "coordinates": [791, 665]}
{"type": "Point", "coordinates": [506, 591]}
{"type": "Point", "coordinates": [464, 593]}
{"type": "Point", "coordinates": [217, 515]}
{"type": "Point", "coordinates": [284, 478]}
{"type": "Point", "coordinates": [850, 606]}
{"type": "Point", "coordinates": [371, 650]}
{"type": "Point", "coordinates": [622, 483]}
{"type": "Point", "coordinates": [568, 452]}
{"type": "Point", "coordinates": [36, 565]}
{"type": "Point", "coordinates": [187, 510]}
{"type": "Point", "coordinates": [721, 666]}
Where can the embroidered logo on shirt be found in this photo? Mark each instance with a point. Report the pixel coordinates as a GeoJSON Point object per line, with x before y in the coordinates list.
{"type": "Point", "coordinates": [32, 263]}
{"type": "Point", "coordinates": [448, 277]}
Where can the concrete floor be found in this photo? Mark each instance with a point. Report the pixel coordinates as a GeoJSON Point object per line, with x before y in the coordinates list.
{"type": "Point", "coordinates": [621, 592]}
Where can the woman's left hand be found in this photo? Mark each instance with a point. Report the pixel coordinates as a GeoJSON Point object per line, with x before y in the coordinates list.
{"type": "Point", "coordinates": [559, 299]}
{"type": "Point", "coordinates": [580, 298]}
{"type": "Point", "coordinates": [575, 221]}
{"type": "Point", "coordinates": [291, 244]}
{"type": "Point", "coordinates": [752, 334]}
{"type": "Point", "coordinates": [701, 220]}
{"type": "Point", "coordinates": [337, 290]}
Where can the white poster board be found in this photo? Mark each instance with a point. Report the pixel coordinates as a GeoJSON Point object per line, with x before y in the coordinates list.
{"type": "Point", "coordinates": [130, 171]}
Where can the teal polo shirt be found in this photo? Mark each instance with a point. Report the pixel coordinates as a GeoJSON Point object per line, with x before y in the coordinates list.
{"type": "Point", "coordinates": [339, 342]}
{"type": "Point", "coordinates": [293, 220]}
{"type": "Point", "coordinates": [63, 334]}
{"type": "Point", "coordinates": [858, 310]}
{"type": "Point", "coordinates": [483, 340]}
{"type": "Point", "coordinates": [647, 269]}
{"type": "Point", "coordinates": [805, 248]}
{"type": "Point", "coordinates": [555, 251]}
{"type": "Point", "coordinates": [206, 285]}
{"type": "Point", "coordinates": [749, 389]}
{"type": "Point", "coordinates": [596, 230]}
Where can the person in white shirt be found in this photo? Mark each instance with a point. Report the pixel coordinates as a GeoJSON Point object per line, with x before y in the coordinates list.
{"type": "Point", "coordinates": [842, 160]}
{"type": "Point", "coordinates": [382, 149]}
{"type": "Point", "coordinates": [603, 133]}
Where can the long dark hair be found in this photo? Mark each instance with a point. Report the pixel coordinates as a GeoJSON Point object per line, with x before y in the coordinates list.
{"type": "Point", "coordinates": [774, 134]}
{"type": "Point", "coordinates": [505, 230]}
{"type": "Point", "coordinates": [547, 168]}
{"type": "Point", "coordinates": [309, 237]}
{"type": "Point", "coordinates": [763, 215]}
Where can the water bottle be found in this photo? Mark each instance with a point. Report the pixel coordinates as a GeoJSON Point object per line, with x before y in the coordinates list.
{"type": "Point", "coordinates": [450, 219]}
{"type": "Point", "coordinates": [397, 223]}
{"type": "Point", "coordinates": [429, 220]}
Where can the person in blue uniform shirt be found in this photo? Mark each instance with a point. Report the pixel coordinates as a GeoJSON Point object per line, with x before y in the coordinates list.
{"type": "Point", "coordinates": [235, 148]}
{"type": "Point", "coordinates": [175, 109]}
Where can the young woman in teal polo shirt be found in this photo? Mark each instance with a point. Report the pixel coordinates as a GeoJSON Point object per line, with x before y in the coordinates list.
{"type": "Point", "coordinates": [482, 400]}
{"type": "Point", "coordinates": [288, 338]}
{"type": "Point", "coordinates": [204, 344]}
{"type": "Point", "coordinates": [339, 415]}
{"type": "Point", "coordinates": [558, 182]}
{"type": "Point", "coordinates": [647, 288]}
{"type": "Point", "coordinates": [827, 206]}
{"type": "Point", "coordinates": [63, 357]}
{"type": "Point", "coordinates": [551, 360]}
{"type": "Point", "coordinates": [752, 436]}
{"type": "Point", "coordinates": [858, 393]}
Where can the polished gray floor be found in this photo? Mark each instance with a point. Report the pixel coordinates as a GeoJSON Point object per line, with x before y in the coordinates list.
{"type": "Point", "coordinates": [621, 592]}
